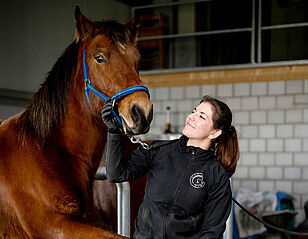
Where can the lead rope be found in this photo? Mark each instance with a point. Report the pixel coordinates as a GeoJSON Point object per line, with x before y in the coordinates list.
{"type": "Point", "coordinates": [136, 140]}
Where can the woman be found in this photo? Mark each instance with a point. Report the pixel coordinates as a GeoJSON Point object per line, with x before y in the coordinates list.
{"type": "Point", "coordinates": [188, 193]}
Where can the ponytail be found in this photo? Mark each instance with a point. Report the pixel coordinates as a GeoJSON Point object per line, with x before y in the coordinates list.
{"type": "Point", "coordinates": [227, 149]}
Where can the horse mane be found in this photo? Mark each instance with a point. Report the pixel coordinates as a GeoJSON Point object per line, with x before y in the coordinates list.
{"type": "Point", "coordinates": [48, 106]}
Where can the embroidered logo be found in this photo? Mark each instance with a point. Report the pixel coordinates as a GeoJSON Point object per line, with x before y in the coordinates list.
{"type": "Point", "coordinates": [197, 180]}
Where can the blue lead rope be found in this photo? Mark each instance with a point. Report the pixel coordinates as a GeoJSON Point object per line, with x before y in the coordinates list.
{"type": "Point", "coordinates": [89, 87]}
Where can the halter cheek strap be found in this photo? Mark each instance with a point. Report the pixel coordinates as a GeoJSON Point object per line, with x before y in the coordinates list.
{"type": "Point", "coordinates": [89, 87]}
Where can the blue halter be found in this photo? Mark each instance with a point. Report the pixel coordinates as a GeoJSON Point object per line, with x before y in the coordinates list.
{"type": "Point", "coordinates": [89, 87]}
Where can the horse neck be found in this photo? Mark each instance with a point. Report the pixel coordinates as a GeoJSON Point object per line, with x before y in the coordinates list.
{"type": "Point", "coordinates": [84, 135]}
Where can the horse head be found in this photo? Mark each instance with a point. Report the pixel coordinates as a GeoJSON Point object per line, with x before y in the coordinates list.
{"type": "Point", "coordinates": [111, 58]}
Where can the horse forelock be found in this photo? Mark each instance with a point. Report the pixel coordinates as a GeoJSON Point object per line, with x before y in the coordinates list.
{"type": "Point", "coordinates": [48, 106]}
{"type": "Point", "coordinates": [114, 30]}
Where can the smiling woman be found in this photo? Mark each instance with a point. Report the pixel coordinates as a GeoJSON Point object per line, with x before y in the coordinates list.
{"type": "Point", "coordinates": [188, 193]}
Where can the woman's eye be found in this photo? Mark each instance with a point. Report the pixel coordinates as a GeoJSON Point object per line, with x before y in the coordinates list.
{"type": "Point", "coordinates": [100, 59]}
{"type": "Point", "coordinates": [202, 117]}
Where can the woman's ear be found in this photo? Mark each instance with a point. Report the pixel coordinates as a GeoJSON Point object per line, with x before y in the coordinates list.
{"type": "Point", "coordinates": [215, 134]}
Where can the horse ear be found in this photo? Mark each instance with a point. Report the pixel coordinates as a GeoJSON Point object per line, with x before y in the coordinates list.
{"type": "Point", "coordinates": [83, 25]}
{"type": "Point", "coordinates": [133, 26]}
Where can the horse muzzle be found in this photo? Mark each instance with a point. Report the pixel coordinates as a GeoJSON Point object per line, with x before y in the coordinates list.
{"type": "Point", "coordinates": [140, 120]}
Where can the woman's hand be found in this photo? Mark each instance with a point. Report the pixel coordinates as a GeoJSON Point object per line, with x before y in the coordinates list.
{"type": "Point", "coordinates": [109, 119]}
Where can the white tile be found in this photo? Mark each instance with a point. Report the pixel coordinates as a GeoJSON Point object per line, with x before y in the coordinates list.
{"type": "Point", "coordinates": [293, 145]}
{"type": "Point", "coordinates": [275, 145]}
{"type": "Point", "coordinates": [159, 120]}
{"type": "Point", "coordinates": [292, 173]}
{"type": "Point", "coordinates": [242, 89]}
{"type": "Point", "coordinates": [248, 159]}
{"type": "Point", "coordinates": [301, 99]}
{"type": "Point", "coordinates": [235, 184]}
{"type": "Point", "coordinates": [266, 185]}
{"type": "Point", "coordinates": [285, 102]}
{"type": "Point", "coordinates": [306, 86]}
{"type": "Point", "coordinates": [267, 102]}
{"type": "Point", "coordinates": [193, 92]}
{"type": "Point", "coordinates": [157, 106]}
{"type": "Point", "coordinates": [259, 88]}
{"type": "Point", "coordinates": [276, 87]}
{"type": "Point", "coordinates": [284, 131]}
{"type": "Point", "coordinates": [181, 117]}
{"type": "Point", "coordinates": [284, 159]}
{"type": "Point", "coordinates": [161, 93]}
{"type": "Point", "coordinates": [209, 90]}
{"type": "Point", "coordinates": [243, 145]}
{"type": "Point", "coordinates": [301, 130]}
{"type": "Point", "coordinates": [241, 173]}
{"type": "Point", "coordinates": [267, 159]}
{"type": "Point", "coordinates": [305, 173]}
{"type": "Point", "coordinates": [225, 90]}
{"type": "Point", "coordinates": [257, 145]}
{"type": "Point", "coordinates": [294, 116]}
{"type": "Point", "coordinates": [276, 116]}
{"type": "Point", "coordinates": [240, 118]}
{"type": "Point", "coordinates": [305, 115]}
{"type": "Point", "coordinates": [295, 86]}
{"type": "Point", "coordinates": [250, 184]}
{"type": "Point", "coordinates": [234, 103]}
{"type": "Point", "coordinates": [267, 131]}
{"type": "Point", "coordinates": [274, 173]}
{"type": "Point", "coordinates": [305, 145]}
{"type": "Point", "coordinates": [301, 159]}
{"type": "Point", "coordinates": [258, 117]}
{"type": "Point", "coordinates": [256, 173]}
{"type": "Point", "coordinates": [177, 93]}
{"type": "Point", "coordinates": [250, 103]}
{"type": "Point", "coordinates": [185, 106]}
{"type": "Point", "coordinates": [300, 187]}
{"type": "Point", "coordinates": [249, 131]}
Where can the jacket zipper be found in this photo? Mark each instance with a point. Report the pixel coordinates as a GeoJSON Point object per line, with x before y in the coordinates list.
{"type": "Point", "coordinates": [175, 191]}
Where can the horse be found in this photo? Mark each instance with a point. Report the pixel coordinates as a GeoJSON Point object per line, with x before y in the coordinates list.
{"type": "Point", "coordinates": [49, 153]}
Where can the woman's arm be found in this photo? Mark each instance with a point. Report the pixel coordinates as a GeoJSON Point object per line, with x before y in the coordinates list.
{"type": "Point", "coordinates": [120, 169]}
{"type": "Point", "coordinates": [217, 211]}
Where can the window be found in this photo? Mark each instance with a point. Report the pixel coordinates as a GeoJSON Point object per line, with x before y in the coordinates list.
{"type": "Point", "coordinates": [223, 33]}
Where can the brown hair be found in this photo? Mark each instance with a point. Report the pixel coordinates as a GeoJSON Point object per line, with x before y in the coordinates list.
{"type": "Point", "coordinates": [226, 145]}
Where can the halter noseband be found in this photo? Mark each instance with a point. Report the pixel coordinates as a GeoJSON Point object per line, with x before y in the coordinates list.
{"type": "Point", "coordinates": [89, 87]}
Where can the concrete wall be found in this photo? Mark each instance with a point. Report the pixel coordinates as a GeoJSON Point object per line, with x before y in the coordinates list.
{"type": "Point", "coordinates": [34, 34]}
{"type": "Point", "coordinates": [272, 122]}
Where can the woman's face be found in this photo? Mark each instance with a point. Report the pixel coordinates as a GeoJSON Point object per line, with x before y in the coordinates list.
{"type": "Point", "coordinates": [199, 124]}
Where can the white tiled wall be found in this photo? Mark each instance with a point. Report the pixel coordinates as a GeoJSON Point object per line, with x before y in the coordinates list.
{"type": "Point", "coordinates": [272, 122]}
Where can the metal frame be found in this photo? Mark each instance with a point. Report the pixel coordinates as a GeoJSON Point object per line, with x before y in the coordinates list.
{"type": "Point", "coordinates": [123, 203]}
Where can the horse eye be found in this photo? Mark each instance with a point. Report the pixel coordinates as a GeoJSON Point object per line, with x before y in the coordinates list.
{"type": "Point", "coordinates": [100, 59]}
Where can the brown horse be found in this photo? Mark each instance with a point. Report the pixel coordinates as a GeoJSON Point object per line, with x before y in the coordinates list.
{"type": "Point", "coordinates": [49, 153]}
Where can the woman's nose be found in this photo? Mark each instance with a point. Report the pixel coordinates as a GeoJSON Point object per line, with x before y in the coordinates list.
{"type": "Point", "coordinates": [192, 116]}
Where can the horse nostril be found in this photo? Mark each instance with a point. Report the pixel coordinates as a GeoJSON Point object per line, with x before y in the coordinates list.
{"type": "Point", "coordinates": [136, 113]}
{"type": "Point", "coordinates": [138, 116]}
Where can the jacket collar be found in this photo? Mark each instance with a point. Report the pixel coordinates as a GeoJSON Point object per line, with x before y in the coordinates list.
{"type": "Point", "coordinates": [182, 145]}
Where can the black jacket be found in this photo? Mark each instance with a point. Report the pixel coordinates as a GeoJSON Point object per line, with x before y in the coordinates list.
{"type": "Point", "coordinates": [188, 193]}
